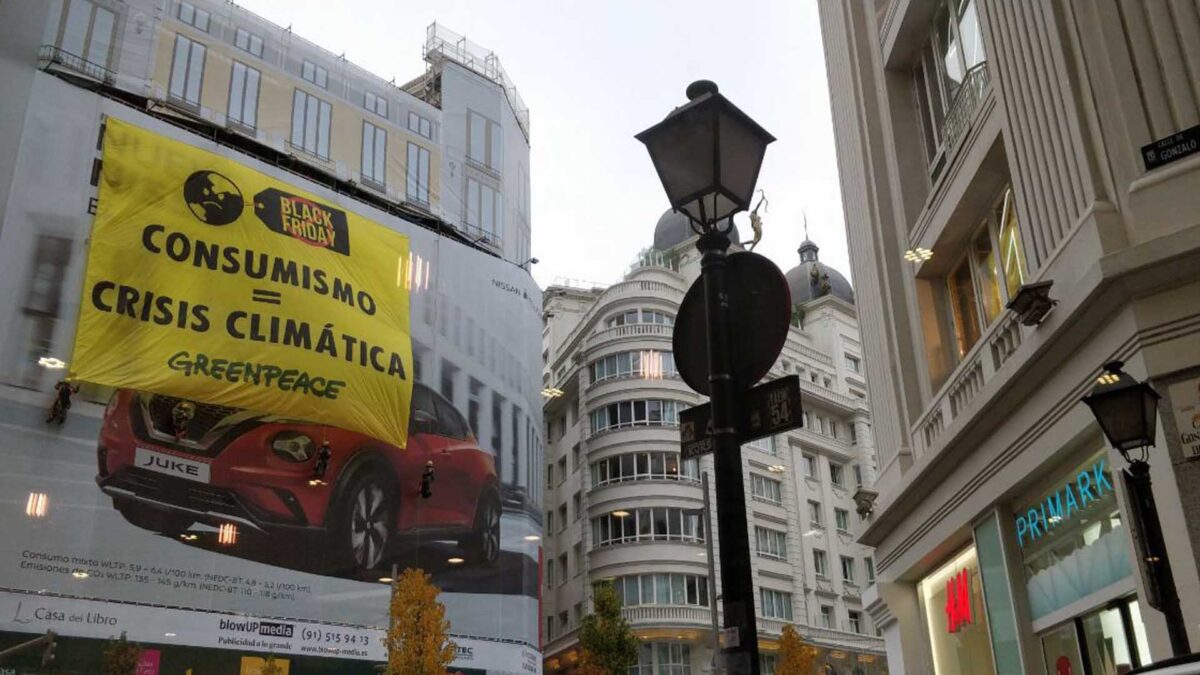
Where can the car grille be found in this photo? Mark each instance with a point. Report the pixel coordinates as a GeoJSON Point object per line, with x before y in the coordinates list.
{"type": "Point", "coordinates": [207, 416]}
{"type": "Point", "coordinates": [195, 497]}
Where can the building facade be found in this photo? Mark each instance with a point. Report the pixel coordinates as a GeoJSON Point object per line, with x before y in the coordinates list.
{"type": "Point", "coordinates": [621, 506]}
{"type": "Point", "coordinates": [986, 146]}
{"type": "Point", "coordinates": [442, 160]}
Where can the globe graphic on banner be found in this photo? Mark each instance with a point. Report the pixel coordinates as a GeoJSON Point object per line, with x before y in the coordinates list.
{"type": "Point", "coordinates": [213, 198]}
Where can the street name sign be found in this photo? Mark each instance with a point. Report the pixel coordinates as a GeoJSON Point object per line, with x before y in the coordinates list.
{"type": "Point", "coordinates": [770, 408]}
{"type": "Point", "coordinates": [1174, 147]}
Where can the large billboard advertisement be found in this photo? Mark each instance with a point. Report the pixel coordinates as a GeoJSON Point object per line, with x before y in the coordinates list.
{"type": "Point", "coordinates": [285, 395]}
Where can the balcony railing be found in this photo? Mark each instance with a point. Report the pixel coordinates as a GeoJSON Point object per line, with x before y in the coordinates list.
{"type": "Point", "coordinates": [668, 614]}
{"type": "Point", "coordinates": [970, 379]}
{"type": "Point", "coordinates": [50, 55]}
{"type": "Point", "coordinates": [966, 102]}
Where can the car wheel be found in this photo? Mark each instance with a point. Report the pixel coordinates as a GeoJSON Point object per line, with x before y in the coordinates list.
{"type": "Point", "coordinates": [152, 519]}
{"type": "Point", "coordinates": [366, 527]}
{"type": "Point", "coordinates": [484, 545]}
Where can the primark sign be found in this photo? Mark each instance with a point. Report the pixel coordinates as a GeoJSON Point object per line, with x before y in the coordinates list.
{"type": "Point", "coordinates": [1072, 498]}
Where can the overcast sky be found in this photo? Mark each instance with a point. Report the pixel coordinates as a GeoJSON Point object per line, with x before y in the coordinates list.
{"type": "Point", "coordinates": [593, 74]}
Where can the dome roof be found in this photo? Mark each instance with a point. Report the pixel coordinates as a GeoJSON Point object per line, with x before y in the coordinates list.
{"type": "Point", "coordinates": [674, 228]}
{"type": "Point", "coordinates": [812, 278]}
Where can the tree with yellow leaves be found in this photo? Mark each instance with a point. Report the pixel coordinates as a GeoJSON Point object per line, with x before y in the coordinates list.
{"type": "Point", "coordinates": [418, 642]}
{"type": "Point", "coordinates": [795, 657]}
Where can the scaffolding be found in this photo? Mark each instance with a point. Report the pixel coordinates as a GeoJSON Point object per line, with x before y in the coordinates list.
{"type": "Point", "coordinates": [441, 43]}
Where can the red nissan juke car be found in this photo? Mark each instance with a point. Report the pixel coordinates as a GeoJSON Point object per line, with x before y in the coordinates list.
{"type": "Point", "coordinates": [168, 463]}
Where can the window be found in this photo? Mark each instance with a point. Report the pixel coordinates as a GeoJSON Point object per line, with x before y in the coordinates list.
{"type": "Point", "coordinates": [640, 316]}
{"type": "Point", "coordinates": [841, 518]}
{"type": "Point", "coordinates": [661, 658]}
{"type": "Point", "coordinates": [87, 32]}
{"type": "Point", "coordinates": [854, 441]}
{"type": "Point", "coordinates": [858, 472]}
{"type": "Point", "coordinates": [562, 569]}
{"type": "Point", "coordinates": [767, 663]}
{"type": "Point", "coordinates": [376, 104]}
{"type": "Point", "coordinates": [549, 475]}
{"type": "Point", "coordinates": [848, 569]}
{"type": "Point", "coordinates": [417, 175]}
{"type": "Point", "coordinates": [243, 95]}
{"type": "Point", "coordinates": [549, 521]}
{"type": "Point", "coordinates": [820, 563]}
{"type": "Point", "coordinates": [314, 73]}
{"type": "Point", "coordinates": [837, 474]}
{"type": "Point", "coordinates": [248, 42]}
{"type": "Point", "coordinates": [187, 71]}
{"type": "Point", "coordinates": [485, 210]}
{"type": "Point", "coordinates": [578, 558]}
{"type": "Point", "coordinates": [577, 504]}
{"type": "Point", "coordinates": [636, 413]}
{"type": "Point", "coordinates": [652, 465]}
{"type": "Point", "coordinates": [775, 604]}
{"type": "Point", "coordinates": [550, 573]}
{"type": "Point", "coordinates": [766, 489]}
{"type": "Point", "coordinates": [420, 125]}
{"type": "Point", "coordinates": [647, 364]}
{"type": "Point", "coordinates": [310, 124]}
{"type": "Point", "coordinates": [193, 16]}
{"type": "Point", "coordinates": [810, 467]}
{"type": "Point", "coordinates": [647, 524]}
{"type": "Point", "coordinates": [574, 449]}
{"type": "Point", "coordinates": [550, 627]}
{"type": "Point", "coordinates": [484, 141]}
{"type": "Point", "coordinates": [814, 514]}
{"type": "Point", "coordinates": [562, 469]}
{"type": "Point", "coordinates": [770, 543]}
{"type": "Point", "coordinates": [43, 301]}
{"type": "Point", "coordinates": [766, 444]}
{"type": "Point", "coordinates": [990, 273]}
{"type": "Point", "coordinates": [869, 564]}
{"type": "Point", "coordinates": [953, 49]}
{"type": "Point", "coordinates": [562, 518]}
{"type": "Point", "coordinates": [662, 589]}
{"type": "Point", "coordinates": [855, 621]}
{"type": "Point", "coordinates": [826, 620]}
{"type": "Point", "coordinates": [853, 364]}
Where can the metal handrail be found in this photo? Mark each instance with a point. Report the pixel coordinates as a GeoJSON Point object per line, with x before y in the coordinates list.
{"type": "Point", "coordinates": [966, 102]}
{"type": "Point", "coordinates": [48, 54]}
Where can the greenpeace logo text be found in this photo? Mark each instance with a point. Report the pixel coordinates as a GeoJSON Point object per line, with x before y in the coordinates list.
{"type": "Point", "coordinates": [267, 628]}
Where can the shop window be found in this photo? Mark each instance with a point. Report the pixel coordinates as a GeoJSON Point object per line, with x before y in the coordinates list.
{"type": "Point", "coordinates": [952, 600]}
{"type": "Point", "coordinates": [1071, 537]}
{"type": "Point", "coordinates": [659, 658]}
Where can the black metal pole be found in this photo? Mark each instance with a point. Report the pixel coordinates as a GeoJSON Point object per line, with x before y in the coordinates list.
{"type": "Point", "coordinates": [737, 585]}
{"type": "Point", "coordinates": [1154, 553]}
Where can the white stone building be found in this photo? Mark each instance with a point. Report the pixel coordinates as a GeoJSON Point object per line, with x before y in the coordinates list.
{"type": "Point", "coordinates": [622, 507]}
{"type": "Point", "coordinates": [985, 146]}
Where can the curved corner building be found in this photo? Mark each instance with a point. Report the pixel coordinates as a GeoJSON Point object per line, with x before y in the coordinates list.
{"type": "Point", "coordinates": [622, 507]}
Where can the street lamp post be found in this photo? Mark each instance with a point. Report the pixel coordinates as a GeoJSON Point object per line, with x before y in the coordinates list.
{"type": "Point", "coordinates": [1127, 412]}
{"type": "Point", "coordinates": [708, 154]}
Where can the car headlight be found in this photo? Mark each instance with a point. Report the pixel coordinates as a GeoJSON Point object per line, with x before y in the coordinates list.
{"type": "Point", "coordinates": [293, 446]}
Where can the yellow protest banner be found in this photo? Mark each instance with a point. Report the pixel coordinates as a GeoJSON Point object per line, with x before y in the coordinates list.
{"type": "Point", "coordinates": [214, 282]}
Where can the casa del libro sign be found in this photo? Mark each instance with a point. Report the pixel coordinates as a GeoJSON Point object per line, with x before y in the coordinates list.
{"type": "Point", "coordinates": [1071, 499]}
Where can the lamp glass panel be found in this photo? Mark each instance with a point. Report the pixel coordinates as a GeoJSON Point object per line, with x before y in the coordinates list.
{"type": "Point", "coordinates": [742, 148]}
{"type": "Point", "coordinates": [682, 151]}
